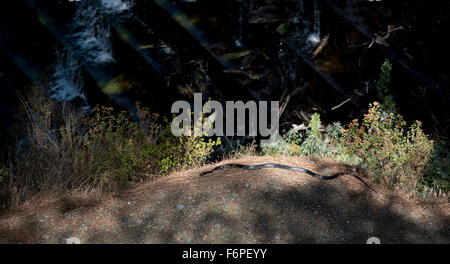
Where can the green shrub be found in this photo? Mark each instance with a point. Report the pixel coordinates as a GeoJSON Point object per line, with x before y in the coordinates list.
{"type": "Point", "coordinates": [311, 142]}
{"type": "Point", "coordinates": [116, 147]}
{"type": "Point", "coordinates": [181, 153]}
{"type": "Point", "coordinates": [437, 173]}
{"type": "Point", "coordinates": [383, 87]}
{"type": "Point", "coordinates": [383, 145]}
{"type": "Point", "coordinates": [122, 150]}
{"type": "Point", "coordinates": [184, 152]}
{"type": "Point", "coordinates": [390, 152]}
{"type": "Point", "coordinates": [277, 145]}
{"type": "Point", "coordinates": [314, 144]}
{"type": "Point", "coordinates": [294, 136]}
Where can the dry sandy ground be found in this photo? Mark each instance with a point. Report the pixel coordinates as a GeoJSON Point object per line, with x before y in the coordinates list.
{"type": "Point", "coordinates": [234, 206]}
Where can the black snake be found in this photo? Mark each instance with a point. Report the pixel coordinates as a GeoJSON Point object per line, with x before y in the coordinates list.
{"type": "Point", "coordinates": [284, 167]}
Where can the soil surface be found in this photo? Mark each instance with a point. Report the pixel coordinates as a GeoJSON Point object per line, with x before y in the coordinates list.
{"type": "Point", "coordinates": [234, 206]}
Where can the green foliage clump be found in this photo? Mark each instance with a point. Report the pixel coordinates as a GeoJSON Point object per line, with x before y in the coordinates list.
{"type": "Point", "coordinates": [116, 147]}
{"type": "Point", "coordinates": [437, 173]}
{"type": "Point", "coordinates": [320, 144]}
{"type": "Point", "coordinates": [311, 142]}
{"type": "Point", "coordinates": [382, 145]}
{"type": "Point", "coordinates": [277, 145]}
{"type": "Point", "coordinates": [383, 87]}
{"type": "Point", "coordinates": [184, 152]}
{"type": "Point", "coordinates": [390, 152]}
{"type": "Point", "coordinates": [123, 150]}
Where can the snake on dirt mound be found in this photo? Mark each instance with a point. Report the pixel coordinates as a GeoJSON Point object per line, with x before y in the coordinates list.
{"type": "Point", "coordinates": [285, 167]}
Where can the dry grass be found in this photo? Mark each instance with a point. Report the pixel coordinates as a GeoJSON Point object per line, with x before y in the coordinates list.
{"type": "Point", "coordinates": [62, 150]}
{"type": "Point", "coordinates": [46, 159]}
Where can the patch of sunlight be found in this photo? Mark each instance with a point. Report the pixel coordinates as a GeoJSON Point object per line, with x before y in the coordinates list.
{"type": "Point", "coordinates": [117, 85]}
{"type": "Point", "coordinates": [236, 55]}
{"type": "Point", "coordinates": [150, 46]}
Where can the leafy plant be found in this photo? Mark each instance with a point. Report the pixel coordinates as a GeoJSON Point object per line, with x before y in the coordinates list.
{"type": "Point", "coordinates": [313, 143]}
{"type": "Point", "coordinates": [310, 142]}
{"type": "Point", "coordinates": [390, 151]}
{"type": "Point", "coordinates": [184, 152]}
{"type": "Point", "coordinates": [277, 145]}
{"type": "Point", "coordinates": [437, 173]}
{"type": "Point", "coordinates": [122, 149]}
{"type": "Point", "coordinates": [383, 87]}
{"type": "Point", "coordinates": [115, 147]}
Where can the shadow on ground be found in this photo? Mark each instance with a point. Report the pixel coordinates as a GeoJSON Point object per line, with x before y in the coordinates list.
{"type": "Point", "coordinates": [232, 206]}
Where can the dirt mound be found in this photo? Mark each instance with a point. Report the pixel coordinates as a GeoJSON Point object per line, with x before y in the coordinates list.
{"type": "Point", "coordinates": [234, 206]}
